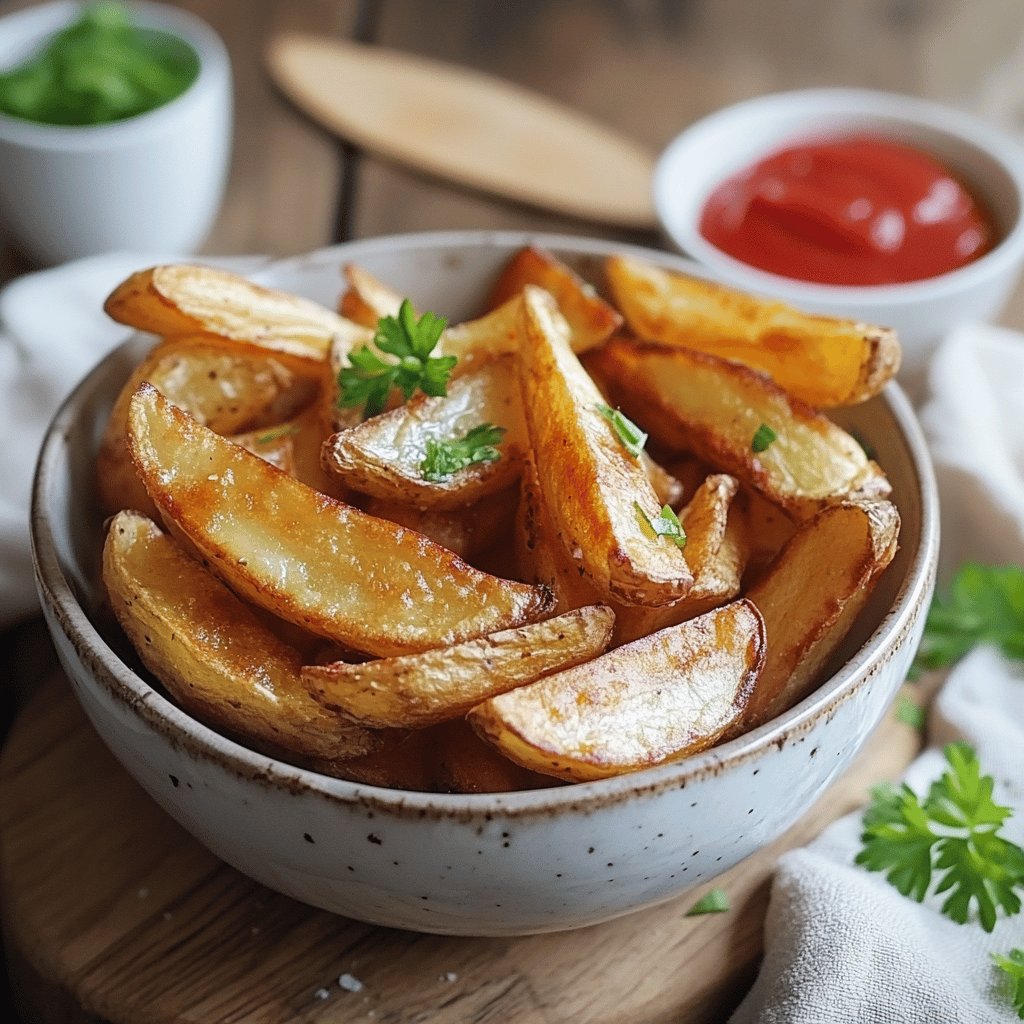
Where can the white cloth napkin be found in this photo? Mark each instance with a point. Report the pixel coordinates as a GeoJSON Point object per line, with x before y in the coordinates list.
{"type": "Point", "coordinates": [841, 944]}
{"type": "Point", "coordinates": [52, 330]}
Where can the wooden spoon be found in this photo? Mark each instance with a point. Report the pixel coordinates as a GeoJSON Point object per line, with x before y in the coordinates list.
{"type": "Point", "coordinates": [467, 127]}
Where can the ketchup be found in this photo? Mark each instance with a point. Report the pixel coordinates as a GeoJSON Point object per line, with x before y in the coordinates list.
{"type": "Point", "coordinates": [857, 210]}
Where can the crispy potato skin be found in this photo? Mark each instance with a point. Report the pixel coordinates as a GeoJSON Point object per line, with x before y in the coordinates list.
{"type": "Point", "coordinates": [212, 652]}
{"type": "Point", "coordinates": [591, 320]}
{"type": "Point", "coordinates": [423, 689]}
{"type": "Point", "coordinates": [811, 595]}
{"type": "Point", "coordinates": [713, 408]}
{"type": "Point", "coordinates": [655, 700]}
{"type": "Point", "coordinates": [591, 485]}
{"type": "Point", "coordinates": [821, 360]}
{"type": "Point", "coordinates": [338, 572]}
{"type": "Point", "coordinates": [383, 455]}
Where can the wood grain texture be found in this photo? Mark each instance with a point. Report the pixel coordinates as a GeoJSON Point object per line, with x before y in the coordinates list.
{"type": "Point", "coordinates": [109, 900]}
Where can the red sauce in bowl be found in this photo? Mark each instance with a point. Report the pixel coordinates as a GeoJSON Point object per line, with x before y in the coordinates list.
{"type": "Point", "coordinates": [857, 210]}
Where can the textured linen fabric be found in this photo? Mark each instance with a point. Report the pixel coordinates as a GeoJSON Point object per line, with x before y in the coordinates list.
{"type": "Point", "coordinates": [841, 944]}
{"type": "Point", "coordinates": [52, 331]}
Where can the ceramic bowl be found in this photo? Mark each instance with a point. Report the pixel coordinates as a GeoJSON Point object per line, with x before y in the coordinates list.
{"type": "Point", "coordinates": [988, 160]}
{"type": "Point", "coordinates": [501, 864]}
{"type": "Point", "coordinates": [153, 182]}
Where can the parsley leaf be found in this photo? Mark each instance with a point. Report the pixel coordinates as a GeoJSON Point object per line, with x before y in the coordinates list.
{"type": "Point", "coordinates": [764, 436]}
{"type": "Point", "coordinates": [714, 901]}
{"type": "Point", "coordinates": [984, 605]}
{"type": "Point", "coordinates": [443, 458]}
{"type": "Point", "coordinates": [910, 713]}
{"type": "Point", "coordinates": [632, 437]}
{"type": "Point", "coordinates": [1013, 967]}
{"type": "Point", "coordinates": [665, 525]}
{"type": "Point", "coordinates": [275, 435]}
{"type": "Point", "coordinates": [950, 834]}
{"type": "Point", "coordinates": [368, 379]}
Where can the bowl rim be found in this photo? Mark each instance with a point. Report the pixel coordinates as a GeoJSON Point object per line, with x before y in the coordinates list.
{"type": "Point", "coordinates": [965, 130]}
{"type": "Point", "coordinates": [43, 19]}
{"type": "Point", "coordinates": [121, 682]}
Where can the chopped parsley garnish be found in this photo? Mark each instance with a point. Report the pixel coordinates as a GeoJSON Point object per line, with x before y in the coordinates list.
{"type": "Point", "coordinates": [664, 525]}
{"type": "Point", "coordinates": [714, 901]}
{"type": "Point", "coordinates": [1013, 967]}
{"type": "Point", "coordinates": [443, 458]}
{"type": "Point", "coordinates": [764, 436]}
{"type": "Point", "coordinates": [984, 605]}
{"type": "Point", "coordinates": [632, 437]}
{"type": "Point", "coordinates": [368, 380]}
{"type": "Point", "coordinates": [951, 835]}
{"type": "Point", "coordinates": [275, 435]}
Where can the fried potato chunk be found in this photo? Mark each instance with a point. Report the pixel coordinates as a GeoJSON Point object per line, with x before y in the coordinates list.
{"type": "Point", "coordinates": [367, 299]}
{"type": "Point", "coordinates": [187, 299]}
{"type": "Point", "coordinates": [716, 551]}
{"type": "Point", "coordinates": [422, 689]}
{"type": "Point", "coordinates": [338, 572]}
{"type": "Point", "coordinates": [230, 392]}
{"type": "Point", "coordinates": [386, 455]}
{"type": "Point", "coordinates": [596, 492]}
{"type": "Point", "coordinates": [658, 699]}
{"type": "Point", "coordinates": [819, 359]}
{"type": "Point", "coordinates": [591, 320]}
{"type": "Point", "coordinates": [714, 408]}
{"type": "Point", "coordinates": [811, 595]}
{"type": "Point", "coordinates": [212, 653]}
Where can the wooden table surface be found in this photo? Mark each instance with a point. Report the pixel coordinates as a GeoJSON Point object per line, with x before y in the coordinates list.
{"type": "Point", "coordinates": [646, 67]}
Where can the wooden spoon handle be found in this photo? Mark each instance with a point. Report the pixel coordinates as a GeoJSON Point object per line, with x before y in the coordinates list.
{"type": "Point", "coordinates": [467, 127]}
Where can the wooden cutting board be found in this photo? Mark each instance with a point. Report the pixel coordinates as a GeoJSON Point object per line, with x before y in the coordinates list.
{"type": "Point", "coordinates": [111, 909]}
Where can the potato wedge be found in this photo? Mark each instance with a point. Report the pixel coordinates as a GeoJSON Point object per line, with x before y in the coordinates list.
{"type": "Point", "coordinates": [655, 700]}
{"type": "Point", "coordinates": [596, 492]}
{"type": "Point", "coordinates": [367, 299]}
{"type": "Point", "coordinates": [230, 392]}
{"type": "Point", "coordinates": [715, 550]}
{"type": "Point", "coordinates": [766, 530]}
{"type": "Point", "coordinates": [820, 360]}
{"type": "Point", "coordinates": [466, 764]}
{"type": "Point", "coordinates": [811, 595]}
{"type": "Point", "coordinates": [423, 689]}
{"type": "Point", "coordinates": [590, 318]}
{"type": "Point", "coordinates": [187, 299]}
{"type": "Point", "coordinates": [667, 489]}
{"type": "Point", "coordinates": [540, 555]}
{"type": "Point", "coordinates": [713, 408]}
{"type": "Point", "coordinates": [212, 653]}
{"type": "Point", "coordinates": [311, 560]}
{"type": "Point", "coordinates": [384, 455]}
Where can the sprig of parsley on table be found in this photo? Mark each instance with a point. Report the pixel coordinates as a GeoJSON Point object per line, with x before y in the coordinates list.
{"type": "Point", "coordinates": [984, 605]}
{"type": "Point", "coordinates": [952, 836]}
{"type": "Point", "coordinates": [368, 379]}
{"type": "Point", "coordinates": [444, 458]}
{"type": "Point", "coordinates": [1013, 967]}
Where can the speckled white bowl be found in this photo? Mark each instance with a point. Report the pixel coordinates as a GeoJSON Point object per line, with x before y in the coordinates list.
{"type": "Point", "coordinates": [472, 865]}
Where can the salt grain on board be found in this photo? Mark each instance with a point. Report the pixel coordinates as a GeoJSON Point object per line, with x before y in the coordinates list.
{"type": "Point", "coordinates": [350, 983]}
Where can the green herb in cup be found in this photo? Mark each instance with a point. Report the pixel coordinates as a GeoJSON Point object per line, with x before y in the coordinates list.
{"type": "Point", "coordinates": [101, 68]}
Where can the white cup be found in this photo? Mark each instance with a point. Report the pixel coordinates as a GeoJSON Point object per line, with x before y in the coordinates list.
{"type": "Point", "coordinates": [150, 182]}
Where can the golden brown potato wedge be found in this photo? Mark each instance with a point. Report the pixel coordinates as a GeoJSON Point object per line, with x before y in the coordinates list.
{"type": "Point", "coordinates": [212, 653]}
{"type": "Point", "coordinates": [384, 456]}
{"type": "Point", "coordinates": [714, 408]}
{"type": "Point", "coordinates": [766, 530]}
{"type": "Point", "coordinates": [423, 689]}
{"type": "Point", "coordinates": [590, 318]}
{"type": "Point", "coordinates": [715, 551]}
{"type": "Point", "coordinates": [309, 559]}
{"type": "Point", "coordinates": [596, 492]}
{"type": "Point", "coordinates": [466, 764]}
{"type": "Point", "coordinates": [273, 445]}
{"type": "Point", "coordinates": [657, 699]}
{"type": "Point", "coordinates": [811, 595]}
{"type": "Point", "coordinates": [230, 392]}
{"type": "Point", "coordinates": [186, 299]}
{"type": "Point", "coordinates": [667, 489]}
{"type": "Point", "coordinates": [367, 299]}
{"type": "Point", "coordinates": [819, 359]}
{"type": "Point", "coordinates": [540, 555]}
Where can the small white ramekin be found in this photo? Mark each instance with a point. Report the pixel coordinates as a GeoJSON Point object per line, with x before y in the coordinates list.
{"type": "Point", "coordinates": [149, 183]}
{"type": "Point", "coordinates": [988, 160]}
